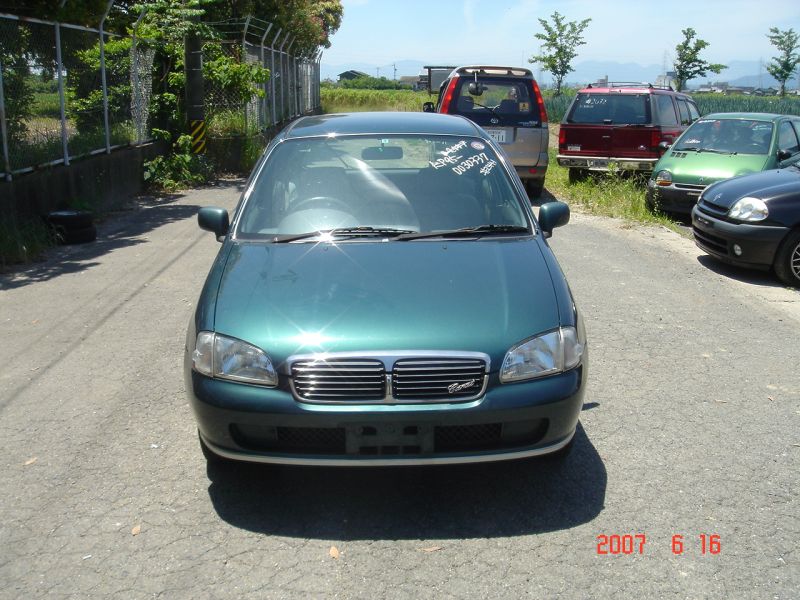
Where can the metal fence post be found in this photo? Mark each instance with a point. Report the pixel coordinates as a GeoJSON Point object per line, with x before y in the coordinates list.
{"type": "Point", "coordinates": [264, 66]}
{"type": "Point", "coordinates": [3, 130]}
{"type": "Point", "coordinates": [103, 75]}
{"type": "Point", "coordinates": [272, 76]}
{"type": "Point", "coordinates": [283, 77]}
{"type": "Point", "coordinates": [62, 103]}
{"type": "Point", "coordinates": [288, 83]}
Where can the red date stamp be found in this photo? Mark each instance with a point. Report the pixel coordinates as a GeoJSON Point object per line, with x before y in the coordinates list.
{"type": "Point", "coordinates": [634, 543]}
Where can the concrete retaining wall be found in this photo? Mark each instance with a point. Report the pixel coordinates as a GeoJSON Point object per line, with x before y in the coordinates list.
{"type": "Point", "coordinates": [103, 181]}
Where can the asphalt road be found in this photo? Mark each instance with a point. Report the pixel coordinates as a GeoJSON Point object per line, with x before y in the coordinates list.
{"type": "Point", "coordinates": [690, 428]}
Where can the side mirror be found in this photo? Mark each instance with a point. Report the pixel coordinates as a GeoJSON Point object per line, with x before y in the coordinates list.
{"type": "Point", "coordinates": [663, 146]}
{"type": "Point", "coordinates": [784, 154]}
{"type": "Point", "coordinates": [214, 219]}
{"type": "Point", "coordinates": [552, 215]}
{"type": "Point", "coordinates": [428, 107]}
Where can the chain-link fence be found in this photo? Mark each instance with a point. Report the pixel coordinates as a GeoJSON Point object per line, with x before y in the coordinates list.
{"type": "Point", "coordinates": [68, 91]}
{"type": "Point", "coordinates": [291, 90]}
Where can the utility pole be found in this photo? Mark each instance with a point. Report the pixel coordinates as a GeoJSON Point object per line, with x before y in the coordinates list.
{"type": "Point", "coordinates": [195, 109]}
{"type": "Point", "coordinates": [394, 66]}
{"type": "Point", "coordinates": [377, 72]}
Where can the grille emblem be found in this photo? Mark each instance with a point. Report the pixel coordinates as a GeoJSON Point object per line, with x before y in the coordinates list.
{"type": "Point", "coordinates": [457, 387]}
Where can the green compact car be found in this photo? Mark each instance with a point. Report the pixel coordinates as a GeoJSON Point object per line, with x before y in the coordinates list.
{"type": "Point", "coordinates": [720, 146]}
{"type": "Point", "coordinates": [384, 295]}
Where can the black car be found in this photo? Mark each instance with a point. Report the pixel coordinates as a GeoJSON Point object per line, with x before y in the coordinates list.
{"type": "Point", "coordinates": [753, 221]}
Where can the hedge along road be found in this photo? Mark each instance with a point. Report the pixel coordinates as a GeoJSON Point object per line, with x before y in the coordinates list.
{"type": "Point", "coordinates": [690, 429]}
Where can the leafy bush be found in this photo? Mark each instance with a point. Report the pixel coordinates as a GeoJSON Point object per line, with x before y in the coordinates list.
{"type": "Point", "coordinates": [178, 169]}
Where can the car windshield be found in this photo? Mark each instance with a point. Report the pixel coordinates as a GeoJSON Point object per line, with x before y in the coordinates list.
{"type": "Point", "coordinates": [616, 108]}
{"type": "Point", "coordinates": [363, 186]}
{"type": "Point", "coordinates": [498, 101]}
{"type": "Point", "coordinates": [731, 136]}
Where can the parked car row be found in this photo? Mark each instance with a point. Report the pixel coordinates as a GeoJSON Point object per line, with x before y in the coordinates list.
{"type": "Point", "coordinates": [638, 127]}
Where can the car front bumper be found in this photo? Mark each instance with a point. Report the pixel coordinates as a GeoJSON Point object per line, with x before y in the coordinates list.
{"type": "Point", "coordinates": [603, 163]}
{"type": "Point", "coordinates": [673, 198]}
{"type": "Point", "coordinates": [252, 423]}
{"type": "Point", "coordinates": [757, 243]}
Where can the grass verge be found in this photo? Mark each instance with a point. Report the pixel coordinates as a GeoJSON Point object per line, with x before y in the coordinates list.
{"type": "Point", "coordinates": [23, 242]}
{"type": "Point", "coordinates": [610, 194]}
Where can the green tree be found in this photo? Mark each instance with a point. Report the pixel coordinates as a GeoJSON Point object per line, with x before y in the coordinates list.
{"type": "Point", "coordinates": [688, 63]}
{"type": "Point", "coordinates": [560, 40]}
{"type": "Point", "coordinates": [784, 65]}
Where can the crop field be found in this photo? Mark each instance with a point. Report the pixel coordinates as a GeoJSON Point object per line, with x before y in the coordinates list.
{"type": "Point", "coordinates": [344, 100]}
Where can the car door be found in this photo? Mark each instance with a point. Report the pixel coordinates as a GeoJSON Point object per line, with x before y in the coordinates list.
{"type": "Point", "coordinates": [788, 143]}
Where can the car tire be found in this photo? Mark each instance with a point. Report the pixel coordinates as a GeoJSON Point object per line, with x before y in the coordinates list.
{"type": "Point", "coordinates": [77, 236]}
{"type": "Point", "coordinates": [787, 260]}
{"type": "Point", "coordinates": [70, 219]}
{"type": "Point", "coordinates": [212, 458]}
{"type": "Point", "coordinates": [534, 187]}
{"type": "Point", "coordinates": [576, 175]}
{"type": "Point", "coordinates": [559, 455]}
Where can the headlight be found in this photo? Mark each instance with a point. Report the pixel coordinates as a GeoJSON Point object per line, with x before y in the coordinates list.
{"type": "Point", "coordinates": [749, 209]}
{"type": "Point", "coordinates": [542, 355]}
{"type": "Point", "coordinates": [663, 178]}
{"type": "Point", "coordinates": [220, 356]}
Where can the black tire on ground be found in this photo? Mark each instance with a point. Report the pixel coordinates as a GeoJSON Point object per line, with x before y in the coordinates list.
{"type": "Point", "coordinates": [77, 236]}
{"type": "Point", "coordinates": [211, 457]}
{"type": "Point", "coordinates": [787, 260]}
{"type": "Point", "coordinates": [534, 187]}
{"type": "Point", "coordinates": [70, 219]}
{"type": "Point", "coordinates": [560, 454]}
{"type": "Point", "coordinates": [576, 175]}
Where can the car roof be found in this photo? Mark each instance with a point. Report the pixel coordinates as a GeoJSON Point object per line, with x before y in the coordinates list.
{"type": "Point", "coordinates": [627, 89]}
{"type": "Point", "coordinates": [493, 71]}
{"type": "Point", "coordinates": [382, 123]}
{"type": "Point", "coordinates": [755, 116]}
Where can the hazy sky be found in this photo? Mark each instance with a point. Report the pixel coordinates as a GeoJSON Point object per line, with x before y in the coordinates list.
{"type": "Point", "coordinates": [381, 32]}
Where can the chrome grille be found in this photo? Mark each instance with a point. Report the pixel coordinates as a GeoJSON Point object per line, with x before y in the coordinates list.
{"type": "Point", "coordinates": [690, 186]}
{"type": "Point", "coordinates": [426, 379]}
{"type": "Point", "coordinates": [339, 379]}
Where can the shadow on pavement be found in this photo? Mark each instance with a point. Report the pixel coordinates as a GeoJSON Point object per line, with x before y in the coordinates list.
{"type": "Point", "coordinates": [115, 231]}
{"type": "Point", "coordinates": [751, 276]}
{"type": "Point", "coordinates": [466, 501]}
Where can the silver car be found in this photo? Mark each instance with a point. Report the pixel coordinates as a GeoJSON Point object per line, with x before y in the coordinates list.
{"type": "Point", "coordinates": [507, 103]}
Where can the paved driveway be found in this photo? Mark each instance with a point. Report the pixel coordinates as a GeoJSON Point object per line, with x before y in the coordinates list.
{"type": "Point", "coordinates": [690, 428]}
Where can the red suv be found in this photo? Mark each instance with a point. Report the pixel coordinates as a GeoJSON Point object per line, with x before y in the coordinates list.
{"type": "Point", "coordinates": [625, 124]}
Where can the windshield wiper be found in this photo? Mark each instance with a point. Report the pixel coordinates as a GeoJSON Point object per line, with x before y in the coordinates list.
{"type": "Point", "coordinates": [363, 231]}
{"type": "Point", "coordinates": [464, 232]}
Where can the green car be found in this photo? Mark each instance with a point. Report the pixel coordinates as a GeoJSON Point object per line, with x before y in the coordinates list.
{"type": "Point", "coordinates": [384, 295]}
{"type": "Point", "coordinates": [720, 146]}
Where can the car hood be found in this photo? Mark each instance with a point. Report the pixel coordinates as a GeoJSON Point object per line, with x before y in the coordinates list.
{"type": "Point", "coordinates": [481, 296]}
{"type": "Point", "coordinates": [691, 167]}
{"type": "Point", "coordinates": [772, 184]}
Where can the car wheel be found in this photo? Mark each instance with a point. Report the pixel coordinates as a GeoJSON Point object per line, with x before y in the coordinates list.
{"type": "Point", "coordinates": [576, 175]}
{"type": "Point", "coordinates": [534, 187]}
{"type": "Point", "coordinates": [211, 457]}
{"type": "Point", "coordinates": [787, 261]}
{"type": "Point", "coordinates": [560, 454]}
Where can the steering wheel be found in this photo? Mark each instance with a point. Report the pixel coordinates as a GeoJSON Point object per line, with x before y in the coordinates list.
{"type": "Point", "coordinates": [323, 202]}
